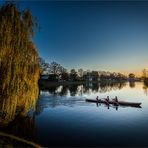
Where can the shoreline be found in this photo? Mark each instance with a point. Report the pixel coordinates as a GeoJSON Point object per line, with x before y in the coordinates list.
{"type": "Point", "coordinates": [46, 83]}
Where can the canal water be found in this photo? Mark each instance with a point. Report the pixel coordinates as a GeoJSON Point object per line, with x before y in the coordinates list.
{"type": "Point", "coordinates": [64, 118]}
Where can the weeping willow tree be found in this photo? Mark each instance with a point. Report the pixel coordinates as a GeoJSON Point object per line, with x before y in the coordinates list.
{"type": "Point", "coordinates": [19, 69]}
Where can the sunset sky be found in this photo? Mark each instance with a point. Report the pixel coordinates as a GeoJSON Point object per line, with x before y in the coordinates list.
{"type": "Point", "coordinates": [110, 36]}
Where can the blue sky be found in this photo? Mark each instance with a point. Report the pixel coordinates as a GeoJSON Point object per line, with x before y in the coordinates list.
{"type": "Point", "coordinates": [96, 35]}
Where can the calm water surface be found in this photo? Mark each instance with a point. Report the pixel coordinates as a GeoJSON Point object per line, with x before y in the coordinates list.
{"type": "Point", "coordinates": [63, 118]}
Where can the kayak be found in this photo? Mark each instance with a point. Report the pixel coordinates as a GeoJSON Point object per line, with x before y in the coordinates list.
{"type": "Point", "coordinates": [122, 103]}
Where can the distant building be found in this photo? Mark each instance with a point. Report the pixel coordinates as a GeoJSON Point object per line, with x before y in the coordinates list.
{"type": "Point", "coordinates": [53, 77]}
{"type": "Point", "coordinates": [44, 77]}
{"type": "Point", "coordinates": [50, 77]}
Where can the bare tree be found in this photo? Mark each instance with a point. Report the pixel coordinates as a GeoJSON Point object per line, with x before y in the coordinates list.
{"type": "Point", "coordinates": [42, 65]}
{"type": "Point", "coordinates": [73, 75]}
{"type": "Point", "coordinates": [80, 72]}
{"type": "Point", "coordinates": [144, 73]}
{"type": "Point", "coordinates": [56, 69]}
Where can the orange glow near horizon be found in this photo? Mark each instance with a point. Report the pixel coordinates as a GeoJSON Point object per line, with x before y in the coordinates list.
{"type": "Point", "coordinates": [138, 73]}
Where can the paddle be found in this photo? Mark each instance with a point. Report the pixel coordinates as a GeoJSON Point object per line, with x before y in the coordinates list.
{"type": "Point", "coordinates": [107, 100]}
{"type": "Point", "coordinates": [116, 101]}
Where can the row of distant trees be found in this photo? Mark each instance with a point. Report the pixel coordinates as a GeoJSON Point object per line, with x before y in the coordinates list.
{"type": "Point", "coordinates": [52, 68]}
{"type": "Point", "coordinates": [145, 76]}
{"type": "Point", "coordinates": [58, 72]}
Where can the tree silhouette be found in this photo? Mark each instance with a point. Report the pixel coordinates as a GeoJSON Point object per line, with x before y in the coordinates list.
{"type": "Point", "coordinates": [131, 75]}
{"type": "Point", "coordinates": [19, 69]}
{"type": "Point", "coordinates": [43, 65]}
{"type": "Point", "coordinates": [73, 75]}
{"type": "Point", "coordinates": [56, 69]}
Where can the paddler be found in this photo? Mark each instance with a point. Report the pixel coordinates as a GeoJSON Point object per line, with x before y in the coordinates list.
{"type": "Point", "coordinates": [97, 98]}
{"type": "Point", "coordinates": [107, 99]}
{"type": "Point", "coordinates": [116, 99]}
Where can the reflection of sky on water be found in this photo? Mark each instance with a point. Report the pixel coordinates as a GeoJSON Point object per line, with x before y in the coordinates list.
{"type": "Point", "coordinates": [135, 94]}
{"type": "Point", "coordinates": [78, 123]}
{"type": "Point", "coordinates": [126, 92]}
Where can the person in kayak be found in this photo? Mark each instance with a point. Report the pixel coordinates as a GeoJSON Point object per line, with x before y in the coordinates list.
{"type": "Point", "coordinates": [116, 99]}
{"type": "Point", "coordinates": [97, 98]}
{"type": "Point", "coordinates": [107, 99]}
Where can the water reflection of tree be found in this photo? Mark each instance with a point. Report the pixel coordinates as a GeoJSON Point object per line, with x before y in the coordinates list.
{"type": "Point", "coordinates": [107, 87]}
{"type": "Point", "coordinates": [104, 87]}
{"type": "Point", "coordinates": [11, 107]}
{"type": "Point", "coordinates": [73, 89]}
{"type": "Point", "coordinates": [64, 91]}
{"type": "Point", "coordinates": [55, 91]}
{"type": "Point", "coordinates": [145, 88]}
{"type": "Point", "coordinates": [132, 84]}
{"type": "Point", "coordinates": [95, 87]}
{"type": "Point", "coordinates": [52, 102]}
{"type": "Point", "coordinates": [14, 120]}
{"type": "Point", "coordinates": [85, 88]}
{"type": "Point", "coordinates": [52, 90]}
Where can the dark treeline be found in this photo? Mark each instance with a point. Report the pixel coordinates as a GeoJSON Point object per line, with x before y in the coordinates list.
{"type": "Point", "coordinates": [145, 77]}
{"type": "Point", "coordinates": [55, 72]}
{"type": "Point", "coordinates": [145, 80]}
